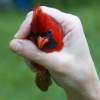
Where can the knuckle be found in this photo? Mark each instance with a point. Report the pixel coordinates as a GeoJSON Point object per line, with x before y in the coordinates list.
{"type": "Point", "coordinates": [76, 19]}
{"type": "Point", "coordinates": [43, 7]}
{"type": "Point", "coordinates": [12, 44]}
{"type": "Point", "coordinates": [29, 13]}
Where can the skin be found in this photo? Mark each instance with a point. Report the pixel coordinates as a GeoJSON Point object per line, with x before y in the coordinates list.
{"type": "Point", "coordinates": [72, 68]}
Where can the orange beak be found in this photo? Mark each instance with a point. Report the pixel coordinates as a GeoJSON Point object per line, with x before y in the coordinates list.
{"type": "Point", "coordinates": [41, 42]}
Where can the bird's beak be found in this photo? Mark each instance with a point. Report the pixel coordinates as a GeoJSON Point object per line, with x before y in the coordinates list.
{"type": "Point", "coordinates": [41, 41]}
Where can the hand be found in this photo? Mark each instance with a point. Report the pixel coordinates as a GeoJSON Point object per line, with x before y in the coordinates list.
{"type": "Point", "coordinates": [72, 68]}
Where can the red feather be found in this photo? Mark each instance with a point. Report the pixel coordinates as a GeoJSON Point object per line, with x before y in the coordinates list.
{"type": "Point", "coordinates": [41, 24]}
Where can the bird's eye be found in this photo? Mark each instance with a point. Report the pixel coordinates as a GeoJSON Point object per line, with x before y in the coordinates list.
{"type": "Point", "coordinates": [41, 34]}
{"type": "Point", "coordinates": [44, 37]}
{"type": "Point", "coordinates": [50, 31]}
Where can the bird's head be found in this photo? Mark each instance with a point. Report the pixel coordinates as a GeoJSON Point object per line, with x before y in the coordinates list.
{"type": "Point", "coordinates": [45, 40]}
{"type": "Point", "coordinates": [46, 33]}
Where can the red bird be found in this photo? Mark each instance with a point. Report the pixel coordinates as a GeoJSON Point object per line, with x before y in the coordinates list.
{"type": "Point", "coordinates": [47, 35]}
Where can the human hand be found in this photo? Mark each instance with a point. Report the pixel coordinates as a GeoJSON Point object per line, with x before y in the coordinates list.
{"type": "Point", "coordinates": [72, 68]}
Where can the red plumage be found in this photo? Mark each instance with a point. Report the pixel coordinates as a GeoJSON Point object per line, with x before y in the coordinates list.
{"type": "Point", "coordinates": [47, 34]}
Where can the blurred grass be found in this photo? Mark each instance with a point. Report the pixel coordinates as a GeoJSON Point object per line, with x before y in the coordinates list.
{"type": "Point", "coordinates": [16, 80]}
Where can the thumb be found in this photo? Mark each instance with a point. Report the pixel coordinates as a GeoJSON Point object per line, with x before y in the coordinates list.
{"type": "Point", "coordinates": [24, 48]}
{"type": "Point", "coordinates": [27, 49]}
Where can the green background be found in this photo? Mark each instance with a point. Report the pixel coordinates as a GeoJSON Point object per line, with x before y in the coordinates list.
{"type": "Point", "coordinates": [16, 80]}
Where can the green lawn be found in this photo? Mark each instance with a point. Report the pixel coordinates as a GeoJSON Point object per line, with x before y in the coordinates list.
{"type": "Point", "coordinates": [16, 80]}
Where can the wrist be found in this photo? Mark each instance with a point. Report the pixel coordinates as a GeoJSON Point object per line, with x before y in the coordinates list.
{"type": "Point", "coordinates": [86, 94]}
{"type": "Point", "coordinates": [93, 92]}
{"type": "Point", "coordinates": [73, 94]}
{"type": "Point", "coordinates": [89, 94]}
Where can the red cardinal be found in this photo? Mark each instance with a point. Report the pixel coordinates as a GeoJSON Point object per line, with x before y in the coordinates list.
{"type": "Point", "coordinates": [47, 34]}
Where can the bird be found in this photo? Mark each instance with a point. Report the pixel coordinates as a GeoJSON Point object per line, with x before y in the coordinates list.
{"type": "Point", "coordinates": [47, 34]}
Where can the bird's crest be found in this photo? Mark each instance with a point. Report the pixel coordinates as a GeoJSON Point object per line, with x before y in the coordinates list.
{"type": "Point", "coordinates": [39, 21]}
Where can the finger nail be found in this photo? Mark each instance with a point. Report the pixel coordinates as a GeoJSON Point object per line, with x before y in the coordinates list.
{"type": "Point", "coordinates": [17, 36]}
{"type": "Point", "coordinates": [16, 46]}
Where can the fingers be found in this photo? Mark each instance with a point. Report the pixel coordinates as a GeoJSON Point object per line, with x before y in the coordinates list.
{"type": "Point", "coordinates": [58, 15]}
{"type": "Point", "coordinates": [25, 27]}
{"type": "Point", "coordinates": [67, 21]}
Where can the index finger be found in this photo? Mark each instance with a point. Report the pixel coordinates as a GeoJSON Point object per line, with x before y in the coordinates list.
{"type": "Point", "coordinates": [25, 27]}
